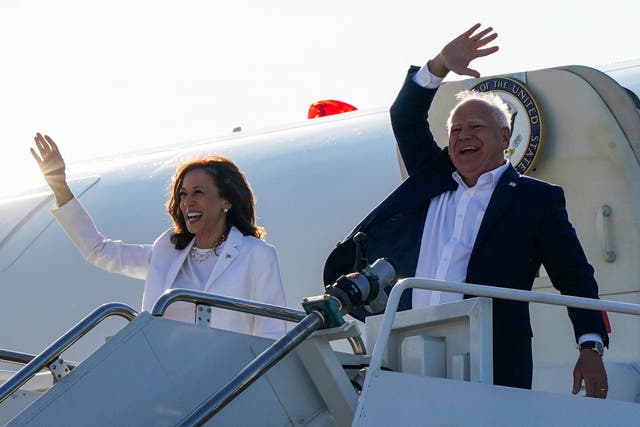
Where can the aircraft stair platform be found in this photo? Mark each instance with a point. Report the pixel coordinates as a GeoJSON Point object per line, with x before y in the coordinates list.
{"type": "Point", "coordinates": [157, 371]}
{"type": "Point", "coordinates": [428, 367]}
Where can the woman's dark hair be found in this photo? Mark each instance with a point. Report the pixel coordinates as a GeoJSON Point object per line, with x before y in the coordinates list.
{"type": "Point", "coordinates": [232, 186]}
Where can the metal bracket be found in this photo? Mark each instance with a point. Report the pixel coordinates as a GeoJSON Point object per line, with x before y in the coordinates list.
{"type": "Point", "coordinates": [327, 306]}
{"type": "Point", "coordinates": [203, 315]}
{"type": "Point", "coordinates": [59, 369]}
{"type": "Point", "coordinates": [602, 229]}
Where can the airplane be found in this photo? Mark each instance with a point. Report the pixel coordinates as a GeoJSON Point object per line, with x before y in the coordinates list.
{"type": "Point", "coordinates": [576, 126]}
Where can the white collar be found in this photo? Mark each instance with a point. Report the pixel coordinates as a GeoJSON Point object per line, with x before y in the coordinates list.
{"type": "Point", "coordinates": [490, 178]}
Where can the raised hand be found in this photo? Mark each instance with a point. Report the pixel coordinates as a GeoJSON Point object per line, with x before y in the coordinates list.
{"type": "Point", "coordinates": [49, 158]}
{"type": "Point", "coordinates": [52, 167]}
{"type": "Point", "coordinates": [459, 52]}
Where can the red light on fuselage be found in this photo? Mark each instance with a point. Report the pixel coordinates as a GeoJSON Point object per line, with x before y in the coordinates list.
{"type": "Point", "coordinates": [328, 107]}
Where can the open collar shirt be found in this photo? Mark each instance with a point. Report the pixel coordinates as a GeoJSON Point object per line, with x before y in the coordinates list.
{"type": "Point", "coordinates": [450, 231]}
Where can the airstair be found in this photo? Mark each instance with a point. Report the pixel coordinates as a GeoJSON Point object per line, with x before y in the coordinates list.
{"type": "Point", "coordinates": [428, 367]}
{"type": "Point", "coordinates": [157, 371]}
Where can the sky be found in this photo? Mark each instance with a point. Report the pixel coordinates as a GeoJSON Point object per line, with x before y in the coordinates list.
{"type": "Point", "coordinates": [110, 77]}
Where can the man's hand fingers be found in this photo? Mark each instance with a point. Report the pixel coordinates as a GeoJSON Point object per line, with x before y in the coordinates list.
{"type": "Point", "coordinates": [469, 72]}
{"type": "Point", "coordinates": [486, 40]}
{"type": "Point", "coordinates": [457, 54]}
{"type": "Point", "coordinates": [487, 51]}
{"type": "Point", "coordinates": [595, 388]}
{"type": "Point", "coordinates": [481, 34]}
{"type": "Point", "coordinates": [577, 381]}
{"type": "Point", "coordinates": [590, 388]}
{"type": "Point", "coordinates": [602, 390]}
{"type": "Point", "coordinates": [590, 368]}
{"type": "Point", "coordinates": [470, 31]}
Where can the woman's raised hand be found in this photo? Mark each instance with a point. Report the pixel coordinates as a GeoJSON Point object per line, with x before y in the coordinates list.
{"type": "Point", "coordinates": [52, 167]}
{"type": "Point", "coordinates": [48, 156]}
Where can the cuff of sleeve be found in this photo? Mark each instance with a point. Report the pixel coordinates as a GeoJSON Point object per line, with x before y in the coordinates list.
{"type": "Point", "coordinates": [425, 78]}
{"type": "Point", "coordinates": [589, 337]}
{"type": "Point", "coordinates": [71, 206]}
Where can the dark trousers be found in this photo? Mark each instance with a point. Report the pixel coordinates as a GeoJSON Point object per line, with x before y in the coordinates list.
{"type": "Point", "coordinates": [512, 359]}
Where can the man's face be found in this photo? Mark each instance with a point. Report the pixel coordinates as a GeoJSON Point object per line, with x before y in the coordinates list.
{"type": "Point", "coordinates": [476, 141]}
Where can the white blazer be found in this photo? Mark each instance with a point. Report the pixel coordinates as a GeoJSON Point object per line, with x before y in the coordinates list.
{"type": "Point", "coordinates": [247, 268]}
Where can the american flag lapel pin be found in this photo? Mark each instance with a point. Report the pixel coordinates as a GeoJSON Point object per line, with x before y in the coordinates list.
{"type": "Point", "coordinates": [512, 184]}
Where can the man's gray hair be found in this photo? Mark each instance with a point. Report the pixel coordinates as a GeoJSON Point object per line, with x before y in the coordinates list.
{"type": "Point", "coordinates": [500, 110]}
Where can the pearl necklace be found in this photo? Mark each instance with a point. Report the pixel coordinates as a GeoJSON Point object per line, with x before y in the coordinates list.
{"type": "Point", "coordinates": [201, 255]}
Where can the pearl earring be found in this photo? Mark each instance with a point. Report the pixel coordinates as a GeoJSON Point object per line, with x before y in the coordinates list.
{"type": "Point", "coordinates": [225, 210]}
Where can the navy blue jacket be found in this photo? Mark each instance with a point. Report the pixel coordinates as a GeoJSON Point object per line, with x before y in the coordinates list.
{"type": "Point", "coordinates": [525, 225]}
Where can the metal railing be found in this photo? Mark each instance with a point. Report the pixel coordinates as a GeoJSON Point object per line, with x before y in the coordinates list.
{"type": "Point", "coordinates": [21, 358]}
{"type": "Point", "coordinates": [306, 325]}
{"type": "Point", "coordinates": [228, 303]}
{"type": "Point", "coordinates": [481, 291]}
{"type": "Point", "coordinates": [235, 304]}
{"type": "Point", "coordinates": [313, 321]}
{"type": "Point", "coordinates": [53, 352]}
{"type": "Point", "coordinates": [16, 357]}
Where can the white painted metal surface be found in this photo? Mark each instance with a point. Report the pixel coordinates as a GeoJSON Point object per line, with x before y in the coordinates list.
{"type": "Point", "coordinates": [408, 400]}
{"type": "Point", "coordinates": [326, 370]}
{"type": "Point", "coordinates": [16, 403]}
{"type": "Point", "coordinates": [464, 328]}
{"type": "Point", "coordinates": [398, 397]}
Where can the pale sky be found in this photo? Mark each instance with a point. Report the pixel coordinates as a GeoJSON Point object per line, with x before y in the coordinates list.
{"type": "Point", "coordinates": [109, 77]}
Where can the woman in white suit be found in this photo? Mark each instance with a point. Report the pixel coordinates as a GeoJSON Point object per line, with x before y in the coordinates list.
{"type": "Point", "coordinates": [214, 245]}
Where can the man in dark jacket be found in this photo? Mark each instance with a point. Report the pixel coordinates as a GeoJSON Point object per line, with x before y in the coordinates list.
{"type": "Point", "coordinates": [455, 215]}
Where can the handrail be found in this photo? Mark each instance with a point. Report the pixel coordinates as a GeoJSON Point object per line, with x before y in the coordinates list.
{"type": "Point", "coordinates": [51, 353]}
{"type": "Point", "coordinates": [21, 358]}
{"type": "Point", "coordinates": [236, 304]}
{"type": "Point", "coordinates": [250, 373]}
{"type": "Point", "coordinates": [483, 291]}
{"type": "Point", "coordinates": [15, 357]}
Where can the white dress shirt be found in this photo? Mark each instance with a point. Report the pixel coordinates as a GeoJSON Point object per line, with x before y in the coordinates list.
{"type": "Point", "coordinates": [449, 233]}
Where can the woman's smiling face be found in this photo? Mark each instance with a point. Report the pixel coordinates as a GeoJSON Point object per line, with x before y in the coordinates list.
{"type": "Point", "coordinates": [202, 207]}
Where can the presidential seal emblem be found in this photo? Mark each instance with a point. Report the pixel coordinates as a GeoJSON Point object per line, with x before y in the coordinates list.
{"type": "Point", "coordinates": [526, 124]}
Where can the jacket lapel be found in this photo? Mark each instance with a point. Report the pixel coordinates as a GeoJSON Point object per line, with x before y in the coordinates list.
{"type": "Point", "coordinates": [505, 189]}
{"type": "Point", "coordinates": [176, 265]}
{"type": "Point", "coordinates": [228, 254]}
